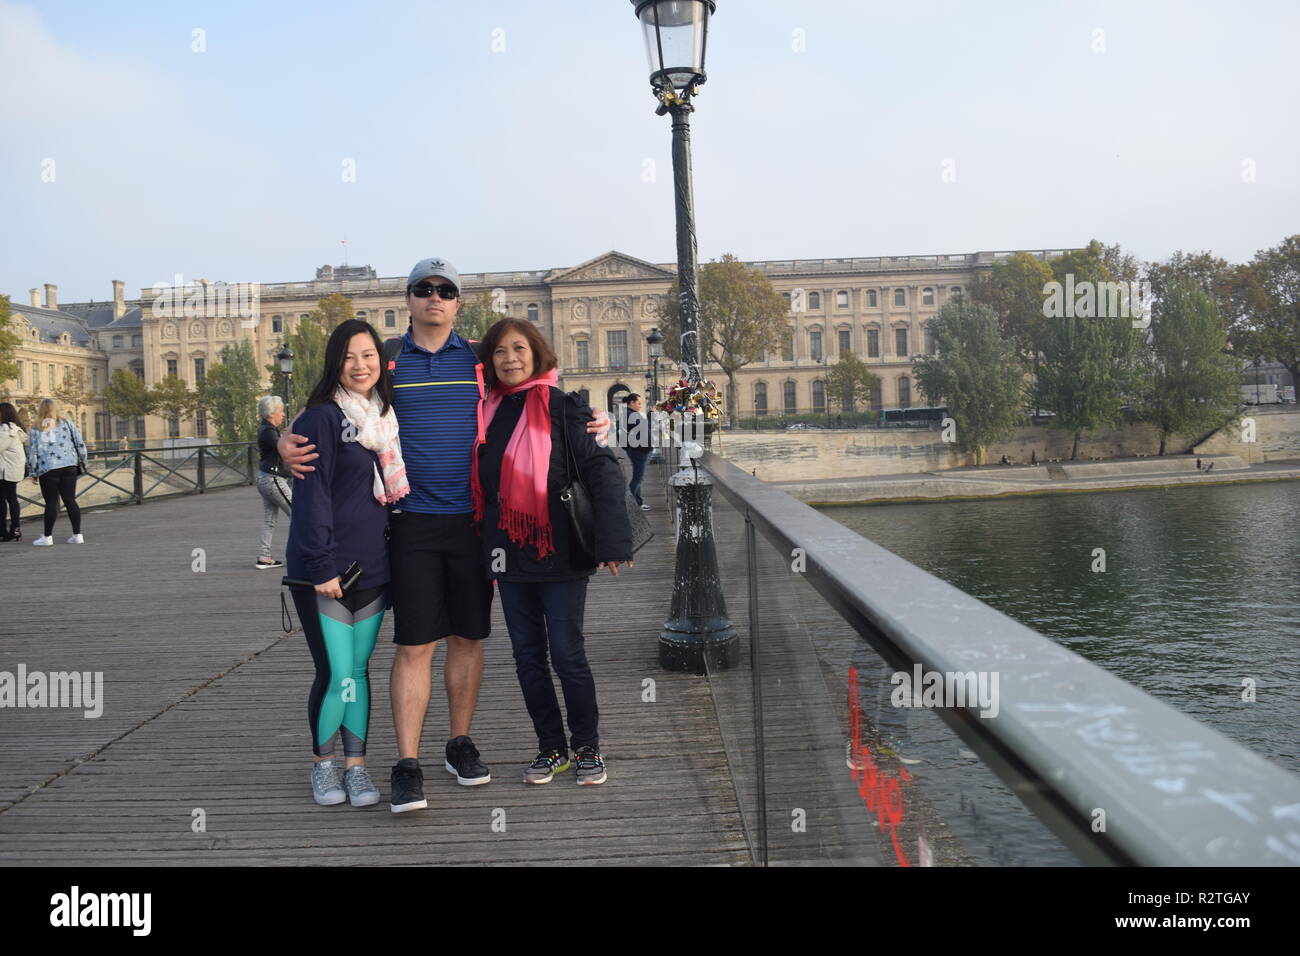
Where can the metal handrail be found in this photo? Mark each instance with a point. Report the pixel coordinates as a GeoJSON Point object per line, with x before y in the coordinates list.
{"type": "Point", "coordinates": [1070, 737]}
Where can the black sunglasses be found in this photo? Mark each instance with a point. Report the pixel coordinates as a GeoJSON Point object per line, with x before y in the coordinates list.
{"type": "Point", "coordinates": [422, 290]}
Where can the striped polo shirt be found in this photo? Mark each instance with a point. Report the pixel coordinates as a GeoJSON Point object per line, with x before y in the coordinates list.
{"type": "Point", "coordinates": [435, 396]}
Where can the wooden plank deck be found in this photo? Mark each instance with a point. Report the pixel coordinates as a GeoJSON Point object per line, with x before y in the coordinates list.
{"type": "Point", "coordinates": [205, 710]}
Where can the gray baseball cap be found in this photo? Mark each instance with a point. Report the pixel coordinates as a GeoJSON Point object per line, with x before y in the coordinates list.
{"type": "Point", "coordinates": [429, 268]}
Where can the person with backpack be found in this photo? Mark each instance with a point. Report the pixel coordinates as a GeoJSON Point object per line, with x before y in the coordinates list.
{"type": "Point", "coordinates": [13, 459]}
{"type": "Point", "coordinates": [56, 455]}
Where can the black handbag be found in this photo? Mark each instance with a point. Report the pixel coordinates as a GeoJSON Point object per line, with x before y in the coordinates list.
{"type": "Point", "coordinates": [582, 517]}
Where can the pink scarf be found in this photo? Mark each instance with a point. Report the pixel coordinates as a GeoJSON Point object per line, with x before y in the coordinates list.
{"type": "Point", "coordinates": [523, 500]}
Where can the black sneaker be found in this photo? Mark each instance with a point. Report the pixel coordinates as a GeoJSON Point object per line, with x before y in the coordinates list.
{"type": "Point", "coordinates": [407, 786]}
{"type": "Point", "coordinates": [462, 760]}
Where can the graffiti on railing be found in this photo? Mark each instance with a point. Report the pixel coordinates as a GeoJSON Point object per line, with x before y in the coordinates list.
{"type": "Point", "coordinates": [882, 792]}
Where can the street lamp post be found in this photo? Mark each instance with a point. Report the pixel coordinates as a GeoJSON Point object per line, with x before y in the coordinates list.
{"type": "Point", "coordinates": [698, 633]}
{"type": "Point", "coordinates": [654, 348]}
{"type": "Point", "coordinates": [1257, 381]}
{"type": "Point", "coordinates": [285, 358]}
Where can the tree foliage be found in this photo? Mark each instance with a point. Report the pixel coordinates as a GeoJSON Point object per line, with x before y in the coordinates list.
{"type": "Point", "coordinates": [977, 372]}
{"type": "Point", "coordinates": [849, 383]}
{"type": "Point", "coordinates": [1191, 382]}
{"type": "Point", "coordinates": [127, 396]}
{"type": "Point", "coordinates": [230, 393]}
{"type": "Point", "coordinates": [173, 399]}
{"type": "Point", "coordinates": [8, 342]}
{"type": "Point", "coordinates": [476, 316]}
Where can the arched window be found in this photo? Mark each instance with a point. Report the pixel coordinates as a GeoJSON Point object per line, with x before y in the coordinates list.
{"type": "Point", "coordinates": [927, 296]}
{"type": "Point", "coordinates": [532, 312]}
{"type": "Point", "coordinates": [786, 296]}
{"type": "Point", "coordinates": [814, 300]}
{"type": "Point", "coordinates": [789, 398]}
{"type": "Point", "coordinates": [900, 297]}
{"type": "Point", "coordinates": [277, 323]}
{"type": "Point", "coordinates": [929, 342]}
{"type": "Point", "coordinates": [815, 346]}
{"type": "Point", "coordinates": [956, 292]}
{"type": "Point", "coordinates": [819, 395]}
{"type": "Point", "coordinates": [872, 301]}
{"type": "Point", "coordinates": [842, 299]}
{"type": "Point", "coordinates": [390, 319]}
{"type": "Point", "coordinates": [900, 342]}
{"type": "Point", "coordinates": [760, 398]}
{"type": "Point", "coordinates": [362, 315]}
{"type": "Point", "coordinates": [904, 392]}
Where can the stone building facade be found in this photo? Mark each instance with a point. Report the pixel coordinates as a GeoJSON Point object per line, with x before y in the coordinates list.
{"type": "Point", "coordinates": [596, 314]}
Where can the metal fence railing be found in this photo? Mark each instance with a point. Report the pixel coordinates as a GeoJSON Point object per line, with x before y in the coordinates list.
{"type": "Point", "coordinates": [131, 476]}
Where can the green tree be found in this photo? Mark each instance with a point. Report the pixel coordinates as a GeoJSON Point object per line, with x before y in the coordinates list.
{"type": "Point", "coordinates": [476, 316]}
{"type": "Point", "coordinates": [1192, 381]}
{"type": "Point", "coordinates": [1013, 289]}
{"type": "Point", "coordinates": [1271, 326]}
{"type": "Point", "coordinates": [307, 342]}
{"type": "Point", "coordinates": [127, 396]}
{"type": "Point", "coordinates": [8, 342]}
{"type": "Point", "coordinates": [173, 399]}
{"type": "Point", "coordinates": [230, 392]}
{"type": "Point", "coordinates": [849, 383]}
{"type": "Point", "coordinates": [741, 317]}
{"type": "Point", "coordinates": [977, 372]}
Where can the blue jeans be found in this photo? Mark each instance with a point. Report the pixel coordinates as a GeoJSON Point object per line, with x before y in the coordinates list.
{"type": "Point", "coordinates": [637, 456]}
{"type": "Point", "coordinates": [542, 615]}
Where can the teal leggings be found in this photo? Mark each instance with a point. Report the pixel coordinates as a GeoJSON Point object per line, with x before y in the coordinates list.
{"type": "Point", "coordinates": [341, 636]}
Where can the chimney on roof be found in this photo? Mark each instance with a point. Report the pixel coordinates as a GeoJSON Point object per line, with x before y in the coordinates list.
{"type": "Point", "coordinates": [119, 298]}
{"type": "Point", "coordinates": [36, 298]}
{"type": "Point", "coordinates": [51, 296]}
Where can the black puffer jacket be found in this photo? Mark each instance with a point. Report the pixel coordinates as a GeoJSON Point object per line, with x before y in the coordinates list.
{"type": "Point", "coordinates": [597, 467]}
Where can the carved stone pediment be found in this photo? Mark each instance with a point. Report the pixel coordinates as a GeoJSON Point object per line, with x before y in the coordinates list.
{"type": "Point", "coordinates": [612, 265]}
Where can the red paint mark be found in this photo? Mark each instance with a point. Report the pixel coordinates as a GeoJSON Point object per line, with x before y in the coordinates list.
{"type": "Point", "coordinates": [880, 791]}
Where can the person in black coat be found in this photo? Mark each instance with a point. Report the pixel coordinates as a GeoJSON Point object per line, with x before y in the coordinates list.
{"type": "Point", "coordinates": [519, 469]}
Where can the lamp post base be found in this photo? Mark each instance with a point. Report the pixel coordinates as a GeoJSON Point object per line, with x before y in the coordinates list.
{"type": "Point", "coordinates": [698, 634]}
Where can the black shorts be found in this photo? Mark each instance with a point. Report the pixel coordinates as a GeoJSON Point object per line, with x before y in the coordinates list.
{"type": "Point", "coordinates": [439, 579]}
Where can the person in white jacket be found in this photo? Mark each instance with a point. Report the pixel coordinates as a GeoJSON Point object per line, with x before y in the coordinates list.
{"type": "Point", "coordinates": [13, 456]}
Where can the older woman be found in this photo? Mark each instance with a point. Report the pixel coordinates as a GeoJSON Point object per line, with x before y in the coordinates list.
{"type": "Point", "coordinates": [519, 469]}
{"type": "Point", "coordinates": [275, 491]}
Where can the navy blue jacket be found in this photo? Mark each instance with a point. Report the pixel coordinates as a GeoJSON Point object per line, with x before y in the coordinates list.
{"type": "Point", "coordinates": [600, 473]}
{"type": "Point", "coordinates": [336, 519]}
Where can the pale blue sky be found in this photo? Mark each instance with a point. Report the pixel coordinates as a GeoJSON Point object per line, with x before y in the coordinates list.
{"type": "Point", "coordinates": [227, 164]}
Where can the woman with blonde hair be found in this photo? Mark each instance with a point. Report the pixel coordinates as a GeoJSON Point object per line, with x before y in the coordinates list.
{"type": "Point", "coordinates": [13, 455]}
{"type": "Point", "coordinates": [56, 454]}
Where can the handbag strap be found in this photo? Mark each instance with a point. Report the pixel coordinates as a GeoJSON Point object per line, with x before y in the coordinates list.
{"type": "Point", "coordinates": [570, 462]}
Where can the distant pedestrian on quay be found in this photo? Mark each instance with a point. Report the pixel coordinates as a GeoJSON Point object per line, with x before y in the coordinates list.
{"type": "Point", "coordinates": [56, 454]}
{"type": "Point", "coordinates": [271, 485]}
{"type": "Point", "coordinates": [13, 458]}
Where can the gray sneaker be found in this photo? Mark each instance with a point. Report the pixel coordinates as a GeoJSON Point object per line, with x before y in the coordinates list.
{"type": "Point", "coordinates": [326, 783]}
{"type": "Point", "coordinates": [546, 766]}
{"type": "Point", "coordinates": [361, 789]}
{"type": "Point", "coordinates": [589, 766]}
